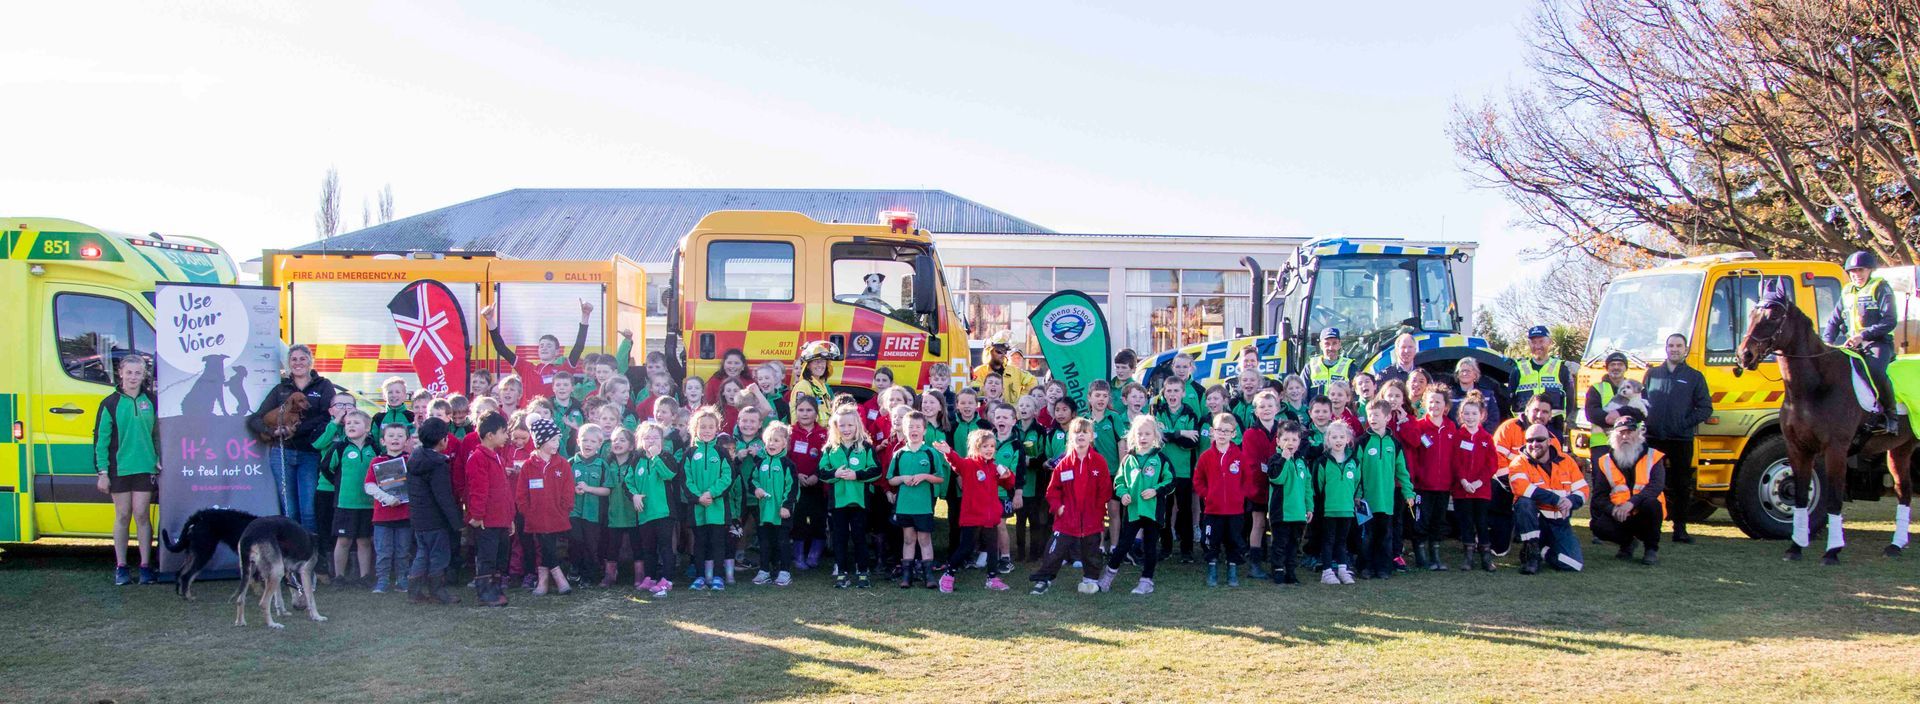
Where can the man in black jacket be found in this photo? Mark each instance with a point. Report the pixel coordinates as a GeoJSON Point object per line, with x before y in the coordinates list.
{"type": "Point", "coordinates": [292, 458]}
{"type": "Point", "coordinates": [434, 513]}
{"type": "Point", "coordinates": [1677, 403]}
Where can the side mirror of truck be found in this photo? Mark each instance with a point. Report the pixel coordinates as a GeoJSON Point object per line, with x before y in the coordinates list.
{"type": "Point", "coordinates": [926, 279]}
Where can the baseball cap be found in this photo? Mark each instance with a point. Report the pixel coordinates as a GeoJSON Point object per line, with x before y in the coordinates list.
{"type": "Point", "coordinates": [1620, 357]}
{"type": "Point", "coordinates": [1538, 331]}
{"type": "Point", "coordinates": [1330, 334]}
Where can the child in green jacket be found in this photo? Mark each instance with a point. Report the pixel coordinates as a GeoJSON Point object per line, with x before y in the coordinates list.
{"type": "Point", "coordinates": [1383, 464]}
{"type": "Point", "coordinates": [1290, 477]}
{"type": "Point", "coordinates": [709, 479]}
{"type": "Point", "coordinates": [1181, 426]}
{"type": "Point", "coordinates": [651, 483]}
{"type": "Point", "coordinates": [587, 522]}
{"type": "Point", "coordinates": [1143, 476]}
{"type": "Point", "coordinates": [1339, 483]}
{"type": "Point", "coordinates": [771, 479]}
{"type": "Point", "coordinates": [621, 534]}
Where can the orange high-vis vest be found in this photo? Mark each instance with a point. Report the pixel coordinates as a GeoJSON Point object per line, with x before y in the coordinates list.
{"type": "Point", "coordinates": [1622, 493]}
{"type": "Point", "coordinates": [1563, 479]}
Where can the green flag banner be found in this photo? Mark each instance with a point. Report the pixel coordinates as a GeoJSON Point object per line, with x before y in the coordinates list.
{"type": "Point", "coordinates": [1073, 337]}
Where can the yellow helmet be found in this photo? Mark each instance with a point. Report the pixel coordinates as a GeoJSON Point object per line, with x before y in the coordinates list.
{"type": "Point", "coordinates": [1002, 339]}
{"type": "Point", "coordinates": [819, 349]}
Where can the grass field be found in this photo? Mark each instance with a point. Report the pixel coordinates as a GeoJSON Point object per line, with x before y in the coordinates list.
{"type": "Point", "coordinates": [1721, 620]}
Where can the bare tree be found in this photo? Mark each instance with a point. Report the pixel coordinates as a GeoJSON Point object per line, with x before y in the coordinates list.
{"type": "Point", "coordinates": [1566, 294]}
{"type": "Point", "coordinates": [327, 220]}
{"type": "Point", "coordinates": [366, 214]}
{"type": "Point", "coordinates": [1656, 128]}
{"type": "Point", "coordinates": [386, 203]}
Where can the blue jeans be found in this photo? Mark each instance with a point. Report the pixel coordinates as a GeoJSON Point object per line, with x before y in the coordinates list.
{"type": "Point", "coordinates": [1558, 545]}
{"type": "Point", "coordinates": [296, 473]}
{"type": "Point", "coordinates": [432, 552]}
{"type": "Point", "coordinates": [392, 546]}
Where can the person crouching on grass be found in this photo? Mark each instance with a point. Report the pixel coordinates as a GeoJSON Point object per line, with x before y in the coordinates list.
{"type": "Point", "coordinates": [544, 498]}
{"type": "Point", "coordinates": [1218, 481]}
{"type": "Point", "coordinates": [1289, 500]}
{"type": "Point", "coordinates": [981, 480]}
{"type": "Point", "coordinates": [708, 479]}
{"type": "Point", "coordinates": [1143, 475]}
{"type": "Point", "coordinates": [1078, 499]}
{"type": "Point", "coordinates": [917, 471]}
{"type": "Point", "coordinates": [771, 478]}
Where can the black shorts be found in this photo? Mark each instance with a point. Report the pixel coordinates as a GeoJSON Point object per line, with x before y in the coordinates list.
{"type": "Point", "coordinates": [922, 522]}
{"type": "Point", "coordinates": [353, 523]}
{"type": "Point", "coordinates": [123, 483]}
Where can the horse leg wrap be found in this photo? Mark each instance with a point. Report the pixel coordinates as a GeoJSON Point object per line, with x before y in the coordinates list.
{"type": "Point", "coordinates": [1800, 529]}
{"type": "Point", "coordinates": [1902, 515]}
{"type": "Point", "coordinates": [1836, 535]}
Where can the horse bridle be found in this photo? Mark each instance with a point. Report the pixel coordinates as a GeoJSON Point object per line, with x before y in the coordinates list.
{"type": "Point", "coordinates": [1771, 343]}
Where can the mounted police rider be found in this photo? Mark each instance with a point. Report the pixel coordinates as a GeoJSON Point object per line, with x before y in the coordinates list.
{"type": "Point", "coordinates": [1864, 322]}
{"type": "Point", "coordinates": [1329, 366]}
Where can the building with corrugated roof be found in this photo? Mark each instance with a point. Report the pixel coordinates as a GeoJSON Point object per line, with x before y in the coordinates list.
{"type": "Point", "coordinates": [1158, 291]}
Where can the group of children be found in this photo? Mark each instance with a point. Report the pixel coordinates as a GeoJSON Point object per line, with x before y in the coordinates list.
{"type": "Point", "coordinates": [583, 479]}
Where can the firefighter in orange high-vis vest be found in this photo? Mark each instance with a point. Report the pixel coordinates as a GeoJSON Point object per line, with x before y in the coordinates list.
{"type": "Point", "coordinates": [1547, 488]}
{"type": "Point", "coordinates": [1638, 477]}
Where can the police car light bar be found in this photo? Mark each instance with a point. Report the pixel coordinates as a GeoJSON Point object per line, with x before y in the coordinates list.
{"type": "Point", "coordinates": [169, 245]}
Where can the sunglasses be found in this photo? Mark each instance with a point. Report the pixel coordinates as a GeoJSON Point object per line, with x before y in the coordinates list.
{"type": "Point", "coordinates": [1531, 441]}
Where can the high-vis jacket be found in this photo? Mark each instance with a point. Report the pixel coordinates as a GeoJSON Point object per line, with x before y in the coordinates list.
{"type": "Point", "coordinates": [1548, 482]}
{"type": "Point", "coordinates": [1552, 378]}
{"type": "Point", "coordinates": [1866, 310]}
{"type": "Point", "coordinates": [1320, 372]}
{"type": "Point", "coordinates": [1645, 489]}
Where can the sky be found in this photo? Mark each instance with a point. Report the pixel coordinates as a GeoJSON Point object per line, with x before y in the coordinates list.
{"type": "Point", "coordinates": [1296, 119]}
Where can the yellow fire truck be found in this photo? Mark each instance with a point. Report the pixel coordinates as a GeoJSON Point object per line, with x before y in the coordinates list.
{"type": "Point", "coordinates": [78, 299]}
{"type": "Point", "coordinates": [1739, 455]}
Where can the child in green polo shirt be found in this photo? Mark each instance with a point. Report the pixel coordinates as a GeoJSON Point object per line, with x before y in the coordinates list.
{"type": "Point", "coordinates": [1031, 518]}
{"type": "Point", "coordinates": [353, 510]}
{"type": "Point", "coordinates": [1143, 475]}
{"type": "Point", "coordinates": [1338, 480]}
{"type": "Point", "coordinates": [770, 474]}
{"type": "Point", "coordinates": [847, 467]}
{"type": "Point", "coordinates": [917, 471]}
{"type": "Point", "coordinates": [587, 522]}
{"type": "Point", "coordinates": [1290, 477]}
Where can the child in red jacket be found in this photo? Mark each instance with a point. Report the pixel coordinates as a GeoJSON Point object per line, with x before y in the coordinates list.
{"type": "Point", "coordinates": [1430, 442]}
{"type": "Point", "coordinates": [392, 524]}
{"type": "Point", "coordinates": [489, 509]}
{"type": "Point", "coordinates": [544, 497]}
{"type": "Point", "coordinates": [981, 481]}
{"type": "Point", "coordinates": [1219, 479]}
{"type": "Point", "coordinates": [1258, 442]}
{"type": "Point", "coordinates": [1077, 497]}
{"type": "Point", "coordinates": [1474, 462]}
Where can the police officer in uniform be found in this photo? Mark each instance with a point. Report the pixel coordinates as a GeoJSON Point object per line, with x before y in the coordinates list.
{"type": "Point", "coordinates": [1864, 322]}
{"type": "Point", "coordinates": [1543, 374]}
{"type": "Point", "coordinates": [1329, 366]}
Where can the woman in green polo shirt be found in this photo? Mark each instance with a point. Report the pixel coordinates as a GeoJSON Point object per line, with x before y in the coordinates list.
{"type": "Point", "coordinates": [124, 452]}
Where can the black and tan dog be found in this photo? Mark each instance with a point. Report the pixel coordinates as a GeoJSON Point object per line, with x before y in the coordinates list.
{"type": "Point", "coordinates": [272, 550]}
{"type": "Point", "coordinates": [200, 537]}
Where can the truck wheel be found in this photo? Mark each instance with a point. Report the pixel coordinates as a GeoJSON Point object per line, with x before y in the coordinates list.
{"type": "Point", "coordinates": [1701, 510]}
{"type": "Point", "coordinates": [1761, 504]}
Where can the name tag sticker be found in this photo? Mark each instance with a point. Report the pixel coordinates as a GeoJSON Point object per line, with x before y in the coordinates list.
{"type": "Point", "coordinates": [800, 447]}
{"type": "Point", "coordinates": [1066, 476]}
{"type": "Point", "coordinates": [536, 484]}
{"type": "Point", "coordinates": [1426, 441]}
{"type": "Point", "coordinates": [1466, 445]}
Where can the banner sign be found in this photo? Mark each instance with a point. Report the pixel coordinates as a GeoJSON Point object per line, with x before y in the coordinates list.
{"type": "Point", "coordinates": [435, 334]}
{"type": "Point", "coordinates": [1073, 338]}
{"type": "Point", "coordinates": [219, 353]}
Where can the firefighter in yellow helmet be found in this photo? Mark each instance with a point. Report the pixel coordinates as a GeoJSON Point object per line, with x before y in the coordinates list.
{"type": "Point", "coordinates": [816, 368]}
{"type": "Point", "coordinates": [1018, 381]}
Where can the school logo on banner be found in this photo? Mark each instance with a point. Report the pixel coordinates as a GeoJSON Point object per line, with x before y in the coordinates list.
{"type": "Point", "coordinates": [1067, 324]}
{"type": "Point", "coordinates": [1073, 339]}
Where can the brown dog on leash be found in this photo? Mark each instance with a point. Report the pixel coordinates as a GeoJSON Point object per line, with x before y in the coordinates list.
{"type": "Point", "coordinates": [273, 549]}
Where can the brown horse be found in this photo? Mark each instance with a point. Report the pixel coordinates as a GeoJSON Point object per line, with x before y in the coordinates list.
{"type": "Point", "coordinates": [1820, 417]}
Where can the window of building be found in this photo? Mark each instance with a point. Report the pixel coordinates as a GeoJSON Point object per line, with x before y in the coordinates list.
{"type": "Point", "coordinates": [749, 271]}
{"type": "Point", "coordinates": [1209, 305]}
{"type": "Point", "coordinates": [996, 298]}
{"type": "Point", "coordinates": [92, 334]}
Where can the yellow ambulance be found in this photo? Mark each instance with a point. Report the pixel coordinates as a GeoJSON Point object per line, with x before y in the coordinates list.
{"type": "Point", "coordinates": [766, 283]}
{"type": "Point", "coordinates": [1739, 454]}
{"type": "Point", "coordinates": [77, 299]}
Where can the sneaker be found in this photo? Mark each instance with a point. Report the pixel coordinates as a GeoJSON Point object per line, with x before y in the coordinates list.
{"type": "Point", "coordinates": [841, 581]}
{"type": "Point", "coordinates": [662, 588]}
{"type": "Point", "coordinates": [1040, 587]}
{"type": "Point", "coordinates": [699, 584]}
{"type": "Point", "coordinates": [1088, 586]}
{"type": "Point", "coordinates": [380, 586]}
{"type": "Point", "coordinates": [1144, 587]}
{"type": "Point", "coordinates": [121, 576]}
{"type": "Point", "coordinates": [1328, 577]}
{"type": "Point", "coordinates": [146, 575]}
{"type": "Point", "coordinates": [529, 581]}
{"type": "Point", "coordinates": [783, 579]}
{"type": "Point", "coordinates": [946, 583]}
{"type": "Point", "coordinates": [1345, 575]}
{"type": "Point", "coordinates": [980, 562]}
{"type": "Point", "coordinates": [1078, 565]}
{"type": "Point", "coordinates": [1106, 579]}
{"type": "Point", "coordinates": [1005, 566]}
{"type": "Point", "coordinates": [645, 585]}
{"type": "Point", "coordinates": [862, 581]}
{"type": "Point", "coordinates": [1651, 559]}
{"type": "Point", "coordinates": [996, 585]}
{"type": "Point", "coordinates": [717, 585]}
{"type": "Point", "coordinates": [762, 577]}
{"type": "Point", "coordinates": [401, 585]}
